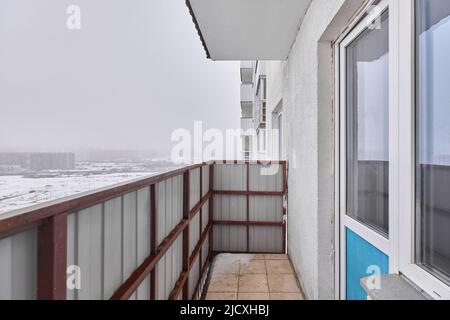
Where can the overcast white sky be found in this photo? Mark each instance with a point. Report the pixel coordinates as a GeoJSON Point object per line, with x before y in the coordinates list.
{"type": "Point", "coordinates": [134, 72]}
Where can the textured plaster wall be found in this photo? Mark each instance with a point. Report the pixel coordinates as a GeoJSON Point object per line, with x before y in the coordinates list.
{"type": "Point", "coordinates": [307, 91]}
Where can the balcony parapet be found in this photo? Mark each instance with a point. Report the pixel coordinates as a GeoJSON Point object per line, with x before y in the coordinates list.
{"type": "Point", "coordinates": [126, 230]}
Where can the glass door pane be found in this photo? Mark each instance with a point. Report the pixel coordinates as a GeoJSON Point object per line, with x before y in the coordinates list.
{"type": "Point", "coordinates": [367, 129]}
{"type": "Point", "coordinates": [433, 137]}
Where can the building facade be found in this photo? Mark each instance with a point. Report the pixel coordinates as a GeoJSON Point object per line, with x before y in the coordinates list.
{"type": "Point", "coordinates": [261, 129]}
{"type": "Point", "coordinates": [37, 161]}
{"type": "Point", "coordinates": [360, 89]}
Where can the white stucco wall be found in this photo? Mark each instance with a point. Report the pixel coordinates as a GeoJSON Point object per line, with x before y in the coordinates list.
{"type": "Point", "coordinates": [275, 85]}
{"type": "Point", "coordinates": [307, 91]}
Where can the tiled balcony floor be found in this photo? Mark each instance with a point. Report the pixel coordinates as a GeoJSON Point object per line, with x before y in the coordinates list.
{"type": "Point", "coordinates": [253, 277]}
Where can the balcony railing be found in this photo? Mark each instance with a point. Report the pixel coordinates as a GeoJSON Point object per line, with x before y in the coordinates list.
{"type": "Point", "coordinates": [151, 238]}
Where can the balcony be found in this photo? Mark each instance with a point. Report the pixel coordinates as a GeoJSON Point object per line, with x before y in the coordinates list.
{"type": "Point", "coordinates": [152, 238]}
{"type": "Point", "coordinates": [247, 125]}
{"type": "Point", "coordinates": [246, 93]}
{"type": "Point", "coordinates": [247, 72]}
{"type": "Point", "coordinates": [267, 37]}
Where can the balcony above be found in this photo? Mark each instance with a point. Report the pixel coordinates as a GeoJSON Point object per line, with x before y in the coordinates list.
{"type": "Point", "coordinates": [246, 125]}
{"type": "Point", "coordinates": [248, 29]}
{"type": "Point", "coordinates": [246, 93]}
{"type": "Point", "coordinates": [247, 110]}
{"type": "Point", "coordinates": [247, 72]}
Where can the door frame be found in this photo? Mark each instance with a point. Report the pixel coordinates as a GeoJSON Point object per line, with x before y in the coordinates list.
{"type": "Point", "coordinates": [400, 246]}
{"type": "Point", "coordinates": [343, 221]}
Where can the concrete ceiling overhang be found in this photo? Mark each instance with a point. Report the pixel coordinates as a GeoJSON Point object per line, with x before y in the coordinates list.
{"type": "Point", "coordinates": [247, 29]}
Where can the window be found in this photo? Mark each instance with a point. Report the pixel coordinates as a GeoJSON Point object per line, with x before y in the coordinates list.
{"type": "Point", "coordinates": [433, 137]}
{"type": "Point", "coordinates": [397, 99]}
{"type": "Point", "coordinates": [367, 129]}
{"type": "Point", "coordinates": [263, 116]}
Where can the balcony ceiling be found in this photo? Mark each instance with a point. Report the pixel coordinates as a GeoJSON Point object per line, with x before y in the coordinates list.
{"type": "Point", "coordinates": [247, 29]}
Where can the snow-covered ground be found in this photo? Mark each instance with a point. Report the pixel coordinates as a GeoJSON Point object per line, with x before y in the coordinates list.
{"type": "Point", "coordinates": [17, 192]}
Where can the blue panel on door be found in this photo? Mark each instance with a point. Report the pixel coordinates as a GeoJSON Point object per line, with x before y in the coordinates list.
{"type": "Point", "coordinates": [360, 256]}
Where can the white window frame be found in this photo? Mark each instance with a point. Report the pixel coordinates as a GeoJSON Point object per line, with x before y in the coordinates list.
{"type": "Point", "coordinates": [400, 247]}
{"type": "Point", "coordinates": [346, 222]}
{"type": "Point", "coordinates": [404, 35]}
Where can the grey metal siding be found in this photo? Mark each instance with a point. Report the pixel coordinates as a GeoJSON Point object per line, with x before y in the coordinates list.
{"type": "Point", "coordinates": [111, 239]}
{"type": "Point", "coordinates": [194, 187]}
{"type": "Point", "coordinates": [266, 178]}
{"type": "Point", "coordinates": [18, 266]}
{"type": "Point", "coordinates": [261, 208]}
{"type": "Point", "coordinates": [230, 208]}
{"type": "Point", "coordinates": [108, 242]}
{"type": "Point", "coordinates": [230, 177]}
{"type": "Point", "coordinates": [230, 238]}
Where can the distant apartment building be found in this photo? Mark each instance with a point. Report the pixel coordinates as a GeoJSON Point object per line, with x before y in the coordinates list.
{"type": "Point", "coordinates": [36, 161]}
{"type": "Point", "coordinates": [253, 110]}
{"type": "Point", "coordinates": [261, 120]}
{"type": "Point", "coordinates": [247, 106]}
{"type": "Point", "coordinates": [10, 169]}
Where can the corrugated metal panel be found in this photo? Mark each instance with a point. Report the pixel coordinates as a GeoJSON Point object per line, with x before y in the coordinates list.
{"type": "Point", "coordinates": [129, 231]}
{"type": "Point", "coordinates": [18, 266]}
{"type": "Point", "coordinates": [230, 238]}
{"type": "Point", "coordinates": [85, 250]}
{"type": "Point", "coordinates": [108, 242]}
{"type": "Point", "coordinates": [194, 187]}
{"type": "Point", "coordinates": [230, 208]}
{"type": "Point", "coordinates": [194, 276]}
{"type": "Point", "coordinates": [177, 260]}
{"type": "Point", "coordinates": [112, 239]}
{"type": "Point", "coordinates": [169, 204]}
{"type": "Point", "coordinates": [261, 208]}
{"type": "Point", "coordinates": [230, 177]}
{"type": "Point", "coordinates": [194, 231]}
{"type": "Point", "coordinates": [266, 178]}
{"type": "Point", "coordinates": [266, 239]}
{"type": "Point", "coordinates": [143, 236]}
{"type": "Point", "coordinates": [205, 216]}
{"type": "Point", "coordinates": [168, 270]}
{"type": "Point", "coordinates": [161, 279]}
{"type": "Point", "coordinates": [71, 239]}
{"type": "Point", "coordinates": [205, 179]}
{"type": "Point", "coordinates": [205, 252]}
{"type": "Point", "coordinates": [143, 292]}
{"type": "Point", "coordinates": [266, 208]}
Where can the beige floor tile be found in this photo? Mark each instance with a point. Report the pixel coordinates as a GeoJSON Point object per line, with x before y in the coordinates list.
{"type": "Point", "coordinates": [226, 268]}
{"type": "Point", "coordinates": [286, 296]}
{"type": "Point", "coordinates": [253, 283]}
{"type": "Point", "coordinates": [282, 283]}
{"type": "Point", "coordinates": [221, 296]}
{"type": "Point", "coordinates": [223, 283]}
{"type": "Point", "coordinates": [253, 267]}
{"type": "Point", "coordinates": [253, 296]}
{"type": "Point", "coordinates": [279, 266]}
{"type": "Point", "coordinates": [226, 264]}
{"type": "Point", "coordinates": [276, 257]}
{"type": "Point", "coordinates": [257, 256]}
